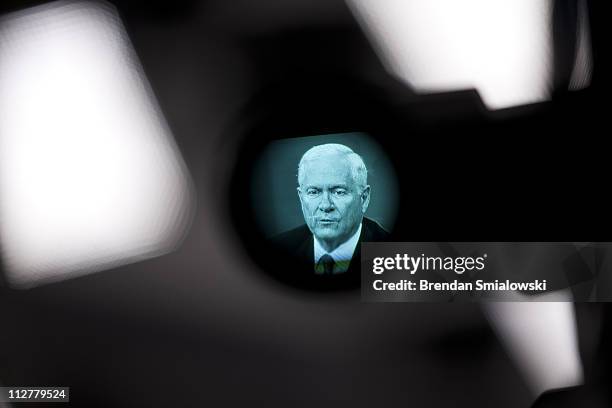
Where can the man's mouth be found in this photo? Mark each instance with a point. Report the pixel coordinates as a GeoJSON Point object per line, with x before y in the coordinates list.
{"type": "Point", "coordinates": [327, 221]}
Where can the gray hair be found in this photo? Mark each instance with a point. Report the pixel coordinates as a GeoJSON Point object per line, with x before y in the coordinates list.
{"type": "Point", "coordinates": [358, 167]}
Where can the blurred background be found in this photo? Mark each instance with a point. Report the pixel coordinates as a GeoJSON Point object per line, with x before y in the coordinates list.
{"type": "Point", "coordinates": [127, 132]}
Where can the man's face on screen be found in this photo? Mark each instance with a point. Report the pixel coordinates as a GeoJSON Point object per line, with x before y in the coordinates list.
{"type": "Point", "coordinates": [332, 203]}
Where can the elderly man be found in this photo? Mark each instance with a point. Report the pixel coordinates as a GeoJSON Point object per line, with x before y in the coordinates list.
{"type": "Point", "coordinates": [334, 195]}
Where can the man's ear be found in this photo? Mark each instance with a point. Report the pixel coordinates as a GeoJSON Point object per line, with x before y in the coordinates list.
{"type": "Point", "coordinates": [365, 199]}
{"type": "Point", "coordinates": [299, 194]}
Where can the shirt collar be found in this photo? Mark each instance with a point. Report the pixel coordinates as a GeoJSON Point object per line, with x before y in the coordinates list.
{"type": "Point", "coordinates": [343, 253]}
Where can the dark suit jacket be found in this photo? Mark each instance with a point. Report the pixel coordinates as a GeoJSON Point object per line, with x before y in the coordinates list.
{"type": "Point", "coordinates": [295, 258]}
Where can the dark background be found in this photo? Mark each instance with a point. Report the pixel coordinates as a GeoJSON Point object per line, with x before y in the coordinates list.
{"type": "Point", "coordinates": [204, 324]}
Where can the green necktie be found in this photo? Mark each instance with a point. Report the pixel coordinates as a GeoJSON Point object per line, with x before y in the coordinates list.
{"type": "Point", "coordinates": [328, 264]}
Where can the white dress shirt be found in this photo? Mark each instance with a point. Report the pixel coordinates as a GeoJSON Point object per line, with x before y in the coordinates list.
{"type": "Point", "coordinates": [342, 255]}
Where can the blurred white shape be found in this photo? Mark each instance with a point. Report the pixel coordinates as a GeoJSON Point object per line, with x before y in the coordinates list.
{"type": "Point", "coordinates": [542, 339]}
{"type": "Point", "coordinates": [583, 62]}
{"type": "Point", "coordinates": [501, 48]}
{"type": "Point", "coordinates": [90, 176]}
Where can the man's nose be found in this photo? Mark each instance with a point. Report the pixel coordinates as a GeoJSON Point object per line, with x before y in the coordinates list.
{"type": "Point", "coordinates": [326, 203]}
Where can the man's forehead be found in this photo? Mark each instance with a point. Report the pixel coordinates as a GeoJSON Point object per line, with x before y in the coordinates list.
{"type": "Point", "coordinates": [337, 167]}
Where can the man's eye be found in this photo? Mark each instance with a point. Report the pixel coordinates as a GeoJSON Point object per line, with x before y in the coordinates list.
{"type": "Point", "coordinates": [340, 192]}
{"type": "Point", "coordinates": [312, 193]}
